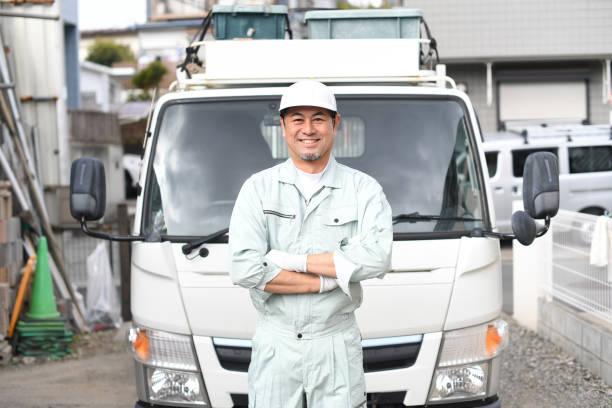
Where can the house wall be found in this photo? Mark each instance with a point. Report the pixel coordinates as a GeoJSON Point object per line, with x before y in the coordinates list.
{"type": "Point", "coordinates": [36, 43]}
{"type": "Point", "coordinates": [483, 30]}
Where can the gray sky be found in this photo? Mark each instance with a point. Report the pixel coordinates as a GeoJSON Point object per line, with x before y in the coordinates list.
{"type": "Point", "coordinates": [100, 14]}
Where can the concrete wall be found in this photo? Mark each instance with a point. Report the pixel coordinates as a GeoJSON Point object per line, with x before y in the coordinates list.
{"type": "Point", "coordinates": [588, 341]}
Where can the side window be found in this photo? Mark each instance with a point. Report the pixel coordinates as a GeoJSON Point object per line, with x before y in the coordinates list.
{"type": "Point", "coordinates": [491, 158]}
{"type": "Point", "coordinates": [520, 156]}
{"type": "Point", "coordinates": [589, 159]}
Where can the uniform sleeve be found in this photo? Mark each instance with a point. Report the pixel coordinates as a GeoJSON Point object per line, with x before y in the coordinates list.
{"type": "Point", "coordinates": [370, 250]}
{"type": "Point", "coordinates": [248, 243]}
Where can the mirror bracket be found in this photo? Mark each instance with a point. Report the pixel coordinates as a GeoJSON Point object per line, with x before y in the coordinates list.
{"type": "Point", "coordinates": [545, 228]}
{"type": "Point", "coordinates": [109, 237]}
{"type": "Point", "coordinates": [480, 233]}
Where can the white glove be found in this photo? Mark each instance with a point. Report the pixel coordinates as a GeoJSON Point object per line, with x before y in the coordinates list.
{"type": "Point", "coordinates": [327, 284]}
{"type": "Point", "coordinates": [289, 262]}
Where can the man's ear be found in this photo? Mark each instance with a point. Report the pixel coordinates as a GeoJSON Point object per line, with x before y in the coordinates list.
{"type": "Point", "coordinates": [282, 126]}
{"type": "Point", "coordinates": [336, 122]}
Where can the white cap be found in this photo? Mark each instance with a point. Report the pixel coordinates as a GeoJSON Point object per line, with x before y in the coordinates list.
{"type": "Point", "coordinates": [308, 93]}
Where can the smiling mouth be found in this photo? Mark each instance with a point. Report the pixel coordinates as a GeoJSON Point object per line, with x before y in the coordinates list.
{"type": "Point", "coordinates": [309, 141]}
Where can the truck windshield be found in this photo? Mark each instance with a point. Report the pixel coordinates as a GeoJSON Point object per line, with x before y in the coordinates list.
{"type": "Point", "coordinates": [419, 150]}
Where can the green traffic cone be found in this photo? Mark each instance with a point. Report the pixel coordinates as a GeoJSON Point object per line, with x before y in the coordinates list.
{"type": "Point", "coordinates": [42, 302]}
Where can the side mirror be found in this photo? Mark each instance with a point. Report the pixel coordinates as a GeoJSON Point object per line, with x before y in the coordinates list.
{"type": "Point", "coordinates": [541, 185]}
{"type": "Point", "coordinates": [87, 189]}
{"type": "Point", "coordinates": [540, 196]}
{"type": "Point", "coordinates": [523, 227]}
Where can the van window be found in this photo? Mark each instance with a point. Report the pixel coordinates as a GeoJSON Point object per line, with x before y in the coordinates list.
{"type": "Point", "coordinates": [491, 158]}
{"type": "Point", "coordinates": [419, 150]}
{"type": "Point", "coordinates": [589, 159]}
{"type": "Point", "coordinates": [520, 156]}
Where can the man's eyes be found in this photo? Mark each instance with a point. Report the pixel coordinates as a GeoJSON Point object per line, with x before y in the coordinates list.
{"type": "Point", "coordinates": [298, 121]}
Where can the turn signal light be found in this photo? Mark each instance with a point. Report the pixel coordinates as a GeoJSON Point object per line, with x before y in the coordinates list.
{"type": "Point", "coordinates": [493, 340]}
{"type": "Point", "coordinates": [141, 345]}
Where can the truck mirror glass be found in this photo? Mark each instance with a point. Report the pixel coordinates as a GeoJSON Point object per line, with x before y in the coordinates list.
{"type": "Point", "coordinates": [523, 227]}
{"type": "Point", "coordinates": [541, 185]}
{"type": "Point", "coordinates": [87, 189]}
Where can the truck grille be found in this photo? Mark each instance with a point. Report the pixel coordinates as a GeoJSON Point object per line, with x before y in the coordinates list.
{"type": "Point", "coordinates": [378, 354]}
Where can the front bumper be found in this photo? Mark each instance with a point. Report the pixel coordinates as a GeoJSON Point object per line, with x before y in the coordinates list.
{"type": "Point", "coordinates": [391, 399]}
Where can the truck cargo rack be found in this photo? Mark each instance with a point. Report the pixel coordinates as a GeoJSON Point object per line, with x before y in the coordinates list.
{"type": "Point", "coordinates": [231, 63]}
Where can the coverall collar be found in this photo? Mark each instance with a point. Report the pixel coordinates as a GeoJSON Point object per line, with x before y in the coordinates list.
{"type": "Point", "coordinates": [288, 173]}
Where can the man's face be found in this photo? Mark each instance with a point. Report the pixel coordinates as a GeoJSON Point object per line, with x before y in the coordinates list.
{"type": "Point", "coordinates": [309, 132]}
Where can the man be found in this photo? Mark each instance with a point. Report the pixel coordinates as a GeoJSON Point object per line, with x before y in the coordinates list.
{"type": "Point", "coordinates": [303, 234]}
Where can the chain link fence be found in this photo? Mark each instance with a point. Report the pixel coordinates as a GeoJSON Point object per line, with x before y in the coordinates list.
{"type": "Point", "coordinates": [77, 246]}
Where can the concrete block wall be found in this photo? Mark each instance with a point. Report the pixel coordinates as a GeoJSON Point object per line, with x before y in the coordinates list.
{"type": "Point", "coordinates": [588, 341]}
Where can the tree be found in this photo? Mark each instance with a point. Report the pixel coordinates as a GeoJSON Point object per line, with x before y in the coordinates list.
{"type": "Point", "coordinates": [106, 52]}
{"type": "Point", "coordinates": [149, 77]}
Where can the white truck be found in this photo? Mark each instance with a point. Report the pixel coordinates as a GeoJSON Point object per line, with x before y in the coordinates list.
{"type": "Point", "coordinates": [432, 333]}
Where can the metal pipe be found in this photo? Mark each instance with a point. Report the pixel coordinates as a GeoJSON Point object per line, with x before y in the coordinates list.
{"type": "Point", "coordinates": [30, 98]}
{"type": "Point", "coordinates": [14, 183]}
{"type": "Point", "coordinates": [605, 83]}
{"type": "Point", "coordinates": [489, 84]}
{"type": "Point", "coordinates": [7, 13]}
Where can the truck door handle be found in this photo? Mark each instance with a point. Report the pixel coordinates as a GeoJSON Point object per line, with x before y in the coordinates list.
{"type": "Point", "coordinates": [515, 189]}
{"type": "Point", "coordinates": [499, 189]}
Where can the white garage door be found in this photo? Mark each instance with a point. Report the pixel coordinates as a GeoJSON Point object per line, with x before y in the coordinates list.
{"type": "Point", "coordinates": [554, 100]}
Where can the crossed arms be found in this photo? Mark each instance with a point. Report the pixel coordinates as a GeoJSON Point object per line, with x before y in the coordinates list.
{"type": "Point", "coordinates": [364, 256]}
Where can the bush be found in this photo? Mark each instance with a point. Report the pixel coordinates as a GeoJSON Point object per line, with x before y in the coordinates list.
{"type": "Point", "coordinates": [106, 52]}
{"type": "Point", "coordinates": [150, 76]}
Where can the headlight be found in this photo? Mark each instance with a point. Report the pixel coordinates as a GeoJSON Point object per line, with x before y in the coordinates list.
{"type": "Point", "coordinates": [168, 363]}
{"type": "Point", "coordinates": [464, 368]}
{"type": "Point", "coordinates": [460, 382]}
{"type": "Point", "coordinates": [174, 386]}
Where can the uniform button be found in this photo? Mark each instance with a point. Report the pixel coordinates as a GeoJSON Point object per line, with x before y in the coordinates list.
{"type": "Point", "coordinates": [299, 335]}
{"type": "Point", "coordinates": [336, 220]}
{"type": "Point", "coordinates": [265, 264]}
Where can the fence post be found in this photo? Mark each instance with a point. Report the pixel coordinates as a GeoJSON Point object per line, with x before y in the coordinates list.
{"type": "Point", "coordinates": [125, 261]}
{"type": "Point", "coordinates": [530, 265]}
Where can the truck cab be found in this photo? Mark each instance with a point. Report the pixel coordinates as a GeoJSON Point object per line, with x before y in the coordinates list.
{"type": "Point", "coordinates": [431, 328]}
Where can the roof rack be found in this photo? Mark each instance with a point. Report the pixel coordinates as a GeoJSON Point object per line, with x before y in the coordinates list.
{"type": "Point", "coordinates": [333, 61]}
{"type": "Point", "coordinates": [569, 132]}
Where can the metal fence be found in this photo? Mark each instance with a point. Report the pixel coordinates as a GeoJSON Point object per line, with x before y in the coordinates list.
{"type": "Point", "coordinates": [76, 247]}
{"type": "Point", "coordinates": [573, 279]}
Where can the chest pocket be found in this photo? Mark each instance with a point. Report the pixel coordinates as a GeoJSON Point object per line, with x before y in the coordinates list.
{"type": "Point", "coordinates": [280, 224]}
{"type": "Point", "coordinates": [338, 223]}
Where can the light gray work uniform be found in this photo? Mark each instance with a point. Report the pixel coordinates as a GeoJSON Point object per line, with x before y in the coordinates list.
{"type": "Point", "coordinates": [308, 343]}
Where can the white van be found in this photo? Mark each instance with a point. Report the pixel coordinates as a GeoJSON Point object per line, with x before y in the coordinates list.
{"type": "Point", "coordinates": [432, 333]}
{"type": "Point", "coordinates": [585, 166]}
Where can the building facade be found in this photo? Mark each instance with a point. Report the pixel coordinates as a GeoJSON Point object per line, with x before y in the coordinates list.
{"type": "Point", "coordinates": [522, 60]}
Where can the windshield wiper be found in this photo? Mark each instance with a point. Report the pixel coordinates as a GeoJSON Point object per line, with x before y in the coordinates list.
{"type": "Point", "coordinates": [416, 217]}
{"type": "Point", "coordinates": [188, 247]}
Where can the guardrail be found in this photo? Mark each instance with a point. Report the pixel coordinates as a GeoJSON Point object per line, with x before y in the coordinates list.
{"type": "Point", "coordinates": [572, 278]}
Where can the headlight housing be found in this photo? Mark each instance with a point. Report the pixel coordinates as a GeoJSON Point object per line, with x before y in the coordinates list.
{"type": "Point", "coordinates": [167, 362]}
{"type": "Point", "coordinates": [468, 362]}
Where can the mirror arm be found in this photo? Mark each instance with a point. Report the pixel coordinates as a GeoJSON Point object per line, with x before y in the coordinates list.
{"type": "Point", "coordinates": [102, 235]}
{"type": "Point", "coordinates": [544, 230]}
{"type": "Point", "coordinates": [478, 232]}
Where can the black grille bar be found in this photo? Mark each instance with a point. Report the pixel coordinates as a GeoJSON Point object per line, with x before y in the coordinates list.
{"type": "Point", "coordinates": [378, 358]}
